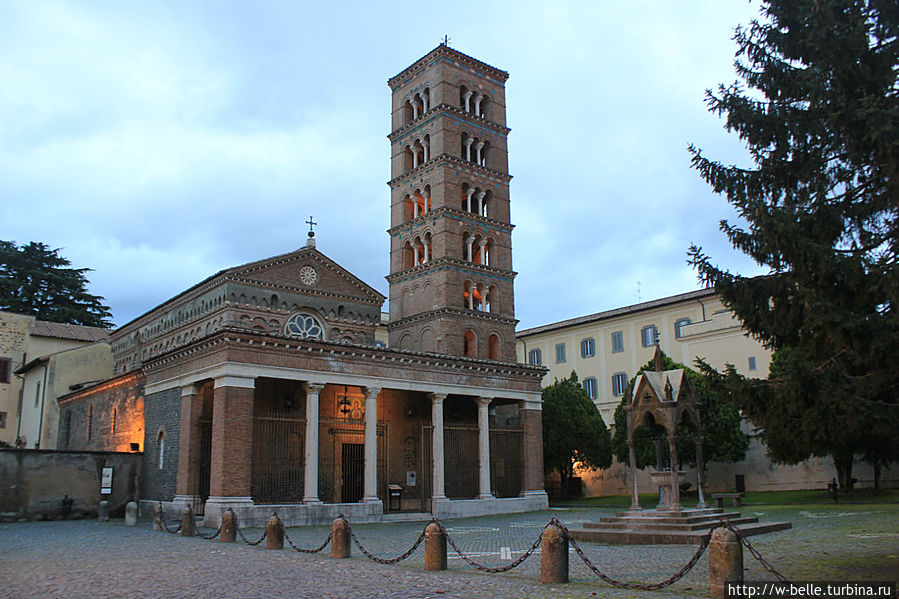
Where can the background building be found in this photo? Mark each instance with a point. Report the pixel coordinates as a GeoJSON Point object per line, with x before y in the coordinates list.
{"type": "Point", "coordinates": [607, 348]}
{"type": "Point", "coordinates": [23, 338]}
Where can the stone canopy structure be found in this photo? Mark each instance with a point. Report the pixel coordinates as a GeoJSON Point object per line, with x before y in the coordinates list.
{"type": "Point", "coordinates": [264, 386]}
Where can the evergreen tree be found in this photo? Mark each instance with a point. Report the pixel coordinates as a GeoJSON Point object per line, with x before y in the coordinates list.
{"type": "Point", "coordinates": [722, 438]}
{"type": "Point", "coordinates": [818, 108]}
{"type": "Point", "coordinates": [36, 280]}
{"type": "Point", "coordinates": [573, 430]}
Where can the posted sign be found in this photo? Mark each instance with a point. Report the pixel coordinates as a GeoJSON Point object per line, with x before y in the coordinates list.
{"type": "Point", "coordinates": [106, 482]}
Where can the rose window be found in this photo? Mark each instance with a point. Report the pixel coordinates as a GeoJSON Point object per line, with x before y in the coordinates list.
{"type": "Point", "coordinates": [304, 326]}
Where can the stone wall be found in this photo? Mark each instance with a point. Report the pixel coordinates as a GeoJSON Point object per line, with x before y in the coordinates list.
{"type": "Point", "coordinates": [35, 482]}
{"type": "Point", "coordinates": [162, 414]}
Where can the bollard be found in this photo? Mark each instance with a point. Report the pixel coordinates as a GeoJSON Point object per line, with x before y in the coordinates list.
{"type": "Point", "coordinates": [340, 539]}
{"type": "Point", "coordinates": [553, 555]}
{"type": "Point", "coordinates": [158, 515]}
{"type": "Point", "coordinates": [131, 514]}
{"type": "Point", "coordinates": [229, 527]}
{"type": "Point", "coordinates": [274, 533]}
{"type": "Point", "coordinates": [435, 547]}
{"type": "Point", "coordinates": [103, 511]}
{"type": "Point", "coordinates": [187, 522]}
{"type": "Point", "coordinates": [725, 561]}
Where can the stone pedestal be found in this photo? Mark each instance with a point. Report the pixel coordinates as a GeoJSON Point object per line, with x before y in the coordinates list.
{"type": "Point", "coordinates": [667, 480]}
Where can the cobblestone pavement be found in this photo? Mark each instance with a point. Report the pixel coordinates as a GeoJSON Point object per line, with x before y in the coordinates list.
{"type": "Point", "coordinates": [76, 559]}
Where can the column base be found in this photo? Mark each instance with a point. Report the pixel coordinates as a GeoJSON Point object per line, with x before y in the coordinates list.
{"type": "Point", "coordinates": [486, 496]}
{"type": "Point", "coordinates": [310, 500]}
{"type": "Point", "coordinates": [371, 500]}
{"type": "Point", "coordinates": [216, 506]}
{"type": "Point", "coordinates": [186, 500]}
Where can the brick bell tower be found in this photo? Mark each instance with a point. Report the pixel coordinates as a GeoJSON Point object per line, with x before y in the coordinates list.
{"type": "Point", "coordinates": [450, 236]}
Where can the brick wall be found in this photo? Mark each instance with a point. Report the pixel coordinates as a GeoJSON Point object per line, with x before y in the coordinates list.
{"type": "Point", "coordinates": [162, 412]}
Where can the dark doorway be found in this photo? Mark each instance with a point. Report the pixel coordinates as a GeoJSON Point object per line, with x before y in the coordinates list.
{"type": "Point", "coordinates": [740, 482]}
{"type": "Point", "coordinates": [352, 459]}
{"type": "Point", "coordinates": [204, 431]}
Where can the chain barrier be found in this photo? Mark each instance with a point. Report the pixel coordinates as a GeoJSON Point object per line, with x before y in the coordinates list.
{"type": "Point", "coordinates": [165, 524]}
{"type": "Point", "coordinates": [245, 539]}
{"type": "Point", "coordinates": [499, 569]}
{"type": "Point", "coordinates": [637, 585]}
{"type": "Point", "coordinates": [381, 560]}
{"type": "Point", "coordinates": [300, 549]}
{"type": "Point", "coordinates": [745, 542]}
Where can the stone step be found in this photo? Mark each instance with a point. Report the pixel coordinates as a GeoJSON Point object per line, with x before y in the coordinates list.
{"type": "Point", "coordinates": [673, 519]}
{"type": "Point", "coordinates": [407, 517]}
{"type": "Point", "coordinates": [686, 512]}
{"type": "Point", "coordinates": [665, 537]}
{"type": "Point", "coordinates": [635, 524]}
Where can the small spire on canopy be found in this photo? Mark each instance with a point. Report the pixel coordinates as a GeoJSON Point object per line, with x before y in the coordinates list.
{"type": "Point", "coordinates": [659, 359]}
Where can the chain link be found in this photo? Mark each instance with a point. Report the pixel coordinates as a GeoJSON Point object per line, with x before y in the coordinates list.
{"type": "Point", "coordinates": [245, 539]}
{"type": "Point", "coordinates": [381, 560]}
{"type": "Point", "coordinates": [637, 585]}
{"type": "Point", "coordinates": [165, 524]}
{"type": "Point", "coordinates": [500, 569]}
{"type": "Point", "coordinates": [745, 542]}
{"type": "Point", "coordinates": [300, 549]}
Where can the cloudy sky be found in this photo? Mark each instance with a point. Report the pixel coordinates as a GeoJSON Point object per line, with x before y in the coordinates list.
{"type": "Point", "coordinates": [159, 142]}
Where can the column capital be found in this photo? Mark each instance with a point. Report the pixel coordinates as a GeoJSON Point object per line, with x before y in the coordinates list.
{"type": "Point", "coordinates": [438, 397]}
{"type": "Point", "coordinates": [469, 141]}
{"type": "Point", "coordinates": [311, 387]}
{"type": "Point", "coordinates": [483, 401]}
{"type": "Point", "coordinates": [372, 392]}
{"type": "Point", "coordinates": [235, 381]}
{"type": "Point", "coordinates": [189, 390]}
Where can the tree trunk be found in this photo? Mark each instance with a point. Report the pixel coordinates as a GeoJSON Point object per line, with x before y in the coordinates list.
{"type": "Point", "coordinates": [843, 464]}
{"type": "Point", "coordinates": [877, 476]}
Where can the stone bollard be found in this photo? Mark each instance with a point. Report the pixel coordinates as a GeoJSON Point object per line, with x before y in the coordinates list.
{"type": "Point", "coordinates": [187, 522]}
{"type": "Point", "coordinates": [131, 514]}
{"type": "Point", "coordinates": [229, 527]}
{"type": "Point", "coordinates": [725, 561]}
{"type": "Point", "coordinates": [158, 515]}
{"type": "Point", "coordinates": [340, 539]}
{"type": "Point", "coordinates": [274, 533]}
{"type": "Point", "coordinates": [554, 555]}
{"type": "Point", "coordinates": [103, 511]}
{"type": "Point", "coordinates": [435, 547]}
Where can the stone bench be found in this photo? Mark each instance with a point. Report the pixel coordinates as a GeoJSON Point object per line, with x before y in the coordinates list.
{"type": "Point", "coordinates": [719, 498]}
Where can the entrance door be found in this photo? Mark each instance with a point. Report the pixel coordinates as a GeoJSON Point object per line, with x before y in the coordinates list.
{"type": "Point", "coordinates": [352, 456]}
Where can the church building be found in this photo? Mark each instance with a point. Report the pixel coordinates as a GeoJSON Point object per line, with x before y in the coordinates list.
{"type": "Point", "coordinates": [262, 388]}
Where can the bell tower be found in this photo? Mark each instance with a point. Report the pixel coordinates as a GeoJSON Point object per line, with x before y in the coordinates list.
{"type": "Point", "coordinates": [450, 236]}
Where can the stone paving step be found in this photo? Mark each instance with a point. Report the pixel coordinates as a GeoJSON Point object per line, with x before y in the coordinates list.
{"type": "Point", "coordinates": [662, 537]}
{"type": "Point", "coordinates": [635, 524]}
{"type": "Point", "coordinates": [686, 512]}
{"type": "Point", "coordinates": [672, 519]}
{"type": "Point", "coordinates": [407, 517]}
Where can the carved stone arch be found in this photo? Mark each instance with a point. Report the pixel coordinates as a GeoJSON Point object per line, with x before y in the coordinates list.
{"type": "Point", "coordinates": [406, 341]}
{"type": "Point", "coordinates": [427, 341]}
{"type": "Point", "coordinates": [242, 299]}
{"type": "Point", "coordinates": [405, 302]}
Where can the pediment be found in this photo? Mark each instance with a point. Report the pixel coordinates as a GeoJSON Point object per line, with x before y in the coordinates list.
{"type": "Point", "coordinates": [306, 270]}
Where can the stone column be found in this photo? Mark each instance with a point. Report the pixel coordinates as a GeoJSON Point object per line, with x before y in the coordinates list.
{"type": "Point", "coordinates": [477, 104]}
{"type": "Point", "coordinates": [187, 482]}
{"type": "Point", "coordinates": [481, 197]}
{"type": "Point", "coordinates": [483, 448]}
{"type": "Point", "coordinates": [477, 151]}
{"type": "Point", "coordinates": [469, 242]}
{"type": "Point", "coordinates": [232, 441]}
{"type": "Point", "coordinates": [371, 444]}
{"type": "Point", "coordinates": [699, 463]}
{"type": "Point", "coordinates": [467, 98]}
{"type": "Point", "coordinates": [414, 156]}
{"type": "Point", "coordinates": [675, 480]}
{"type": "Point", "coordinates": [427, 251]}
{"type": "Point", "coordinates": [310, 473]}
{"type": "Point", "coordinates": [426, 145]}
{"type": "Point", "coordinates": [468, 143]}
{"type": "Point", "coordinates": [632, 463]}
{"type": "Point", "coordinates": [468, 197]}
{"type": "Point", "coordinates": [438, 490]}
{"type": "Point", "coordinates": [532, 447]}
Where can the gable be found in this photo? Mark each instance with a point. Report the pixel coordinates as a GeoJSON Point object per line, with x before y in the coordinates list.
{"type": "Point", "coordinates": [306, 271]}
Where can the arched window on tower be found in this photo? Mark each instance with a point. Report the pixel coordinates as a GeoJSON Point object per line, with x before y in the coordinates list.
{"type": "Point", "coordinates": [427, 198]}
{"type": "Point", "coordinates": [493, 347]}
{"type": "Point", "coordinates": [407, 112]}
{"type": "Point", "coordinates": [482, 158]}
{"type": "Point", "coordinates": [490, 300]}
{"type": "Point", "coordinates": [468, 295]}
{"type": "Point", "coordinates": [469, 344]}
{"type": "Point", "coordinates": [485, 100]}
{"type": "Point", "coordinates": [408, 159]}
{"type": "Point", "coordinates": [408, 208]}
{"type": "Point", "coordinates": [465, 98]}
{"type": "Point", "coordinates": [408, 256]}
{"type": "Point", "coordinates": [467, 140]}
{"type": "Point", "coordinates": [479, 299]}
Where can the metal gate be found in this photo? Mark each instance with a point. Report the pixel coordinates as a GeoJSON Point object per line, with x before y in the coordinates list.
{"type": "Point", "coordinates": [460, 450]}
{"type": "Point", "coordinates": [506, 462]}
{"type": "Point", "coordinates": [341, 461]}
{"type": "Point", "coordinates": [204, 466]}
{"type": "Point", "coordinates": [278, 448]}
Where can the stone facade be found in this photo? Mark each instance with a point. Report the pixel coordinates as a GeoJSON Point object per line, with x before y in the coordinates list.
{"type": "Point", "coordinates": [266, 383]}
